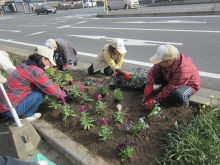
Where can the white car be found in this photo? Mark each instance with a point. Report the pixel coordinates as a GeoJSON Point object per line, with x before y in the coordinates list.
{"type": "Point", "coordinates": [122, 4]}
{"type": "Point", "coordinates": [90, 3]}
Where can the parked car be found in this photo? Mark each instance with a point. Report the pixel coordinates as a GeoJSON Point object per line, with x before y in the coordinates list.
{"type": "Point", "coordinates": [90, 3]}
{"type": "Point", "coordinates": [122, 4]}
{"type": "Point", "coordinates": [45, 8]}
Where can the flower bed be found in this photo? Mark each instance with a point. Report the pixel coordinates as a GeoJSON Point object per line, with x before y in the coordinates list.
{"type": "Point", "coordinates": [147, 142]}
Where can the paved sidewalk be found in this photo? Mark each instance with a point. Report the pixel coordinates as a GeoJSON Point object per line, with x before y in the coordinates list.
{"type": "Point", "coordinates": [73, 152]}
{"type": "Point", "coordinates": [170, 10]}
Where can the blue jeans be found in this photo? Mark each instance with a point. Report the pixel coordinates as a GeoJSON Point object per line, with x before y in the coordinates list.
{"type": "Point", "coordinates": [29, 105]}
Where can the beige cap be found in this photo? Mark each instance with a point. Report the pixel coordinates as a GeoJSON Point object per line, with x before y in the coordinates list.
{"type": "Point", "coordinates": [118, 44]}
{"type": "Point", "coordinates": [164, 52]}
{"type": "Point", "coordinates": [51, 43]}
{"type": "Point", "coordinates": [2, 79]}
{"type": "Point", "coordinates": [45, 52]}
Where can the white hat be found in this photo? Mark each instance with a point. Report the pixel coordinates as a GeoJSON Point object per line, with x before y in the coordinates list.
{"type": "Point", "coordinates": [118, 44]}
{"type": "Point", "coordinates": [164, 52]}
{"type": "Point", "coordinates": [51, 43]}
{"type": "Point", "coordinates": [2, 79]}
{"type": "Point", "coordinates": [45, 52]}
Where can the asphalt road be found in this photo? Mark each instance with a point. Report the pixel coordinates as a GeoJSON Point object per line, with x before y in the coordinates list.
{"type": "Point", "coordinates": [195, 36]}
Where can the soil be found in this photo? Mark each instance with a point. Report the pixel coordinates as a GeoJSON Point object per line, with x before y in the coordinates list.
{"type": "Point", "coordinates": [148, 142]}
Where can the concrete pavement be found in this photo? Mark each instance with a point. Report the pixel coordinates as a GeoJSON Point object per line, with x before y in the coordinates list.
{"type": "Point", "coordinates": [71, 152]}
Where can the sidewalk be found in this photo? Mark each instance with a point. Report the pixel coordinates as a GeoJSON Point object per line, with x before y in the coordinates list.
{"type": "Point", "coordinates": [59, 148]}
{"type": "Point", "coordinates": [169, 10]}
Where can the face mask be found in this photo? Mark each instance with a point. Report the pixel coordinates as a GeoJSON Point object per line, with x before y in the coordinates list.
{"type": "Point", "coordinates": [46, 67]}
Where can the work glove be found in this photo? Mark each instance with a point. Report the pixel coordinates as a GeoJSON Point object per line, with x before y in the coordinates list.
{"type": "Point", "coordinates": [66, 97]}
{"type": "Point", "coordinates": [127, 76]}
{"type": "Point", "coordinates": [149, 104]}
{"type": "Point", "coordinates": [64, 67]}
{"type": "Point", "coordinates": [147, 92]}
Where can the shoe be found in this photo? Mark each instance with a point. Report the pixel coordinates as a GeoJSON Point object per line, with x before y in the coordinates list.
{"type": "Point", "coordinates": [34, 117]}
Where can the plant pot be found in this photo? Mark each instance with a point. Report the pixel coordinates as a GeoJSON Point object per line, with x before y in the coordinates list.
{"type": "Point", "coordinates": [103, 95]}
{"type": "Point", "coordinates": [116, 100]}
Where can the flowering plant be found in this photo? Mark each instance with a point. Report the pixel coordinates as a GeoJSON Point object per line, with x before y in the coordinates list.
{"type": "Point", "coordinates": [138, 77]}
{"type": "Point", "coordinates": [100, 107]}
{"type": "Point", "coordinates": [118, 114]}
{"type": "Point", "coordinates": [137, 128]}
{"type": "Point", "coordinates": [156, 111]}
{"type": "Point", "coordinates": [86, 122]}
{"type": "Point", "coordinates": [75, 91]}
{"type": "Point", "coordinates": [103, 89]}
{"type": "Point", "coordinates": [118, 94]}
{"type": "Point", "coordinates": [67, 112]}
{"type": "Point", "coordinates": [126, 150]}
{"type": "Point", "coordinates": [85, 98]}
{"type": "Point", "coordinates": [104, 131]}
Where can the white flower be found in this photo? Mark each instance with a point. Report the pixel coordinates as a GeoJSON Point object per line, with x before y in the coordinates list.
{"type": "Point", "coordinates": [146, 126]}
{"type": "Point", "coordinates": [141, 120]}
{"type": "Point", "coordinates": [119, 107]}
{"type": "Point", "coordinates": [158, 108]}
{"type": "Point", "coordinates": [155, 112]}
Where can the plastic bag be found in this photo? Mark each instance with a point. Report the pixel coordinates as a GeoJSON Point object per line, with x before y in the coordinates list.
{"type": "Point", "coordinates": [40, 157]}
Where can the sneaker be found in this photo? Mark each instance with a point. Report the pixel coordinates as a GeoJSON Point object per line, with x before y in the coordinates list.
{"type": "Point", "coordinates": [34, 117]}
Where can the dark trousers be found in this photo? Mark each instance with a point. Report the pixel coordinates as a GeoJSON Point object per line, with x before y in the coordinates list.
{"type": "Point", "coordinates": [107, 71]}
{"type": "Point", "coordinates": [179, 95]}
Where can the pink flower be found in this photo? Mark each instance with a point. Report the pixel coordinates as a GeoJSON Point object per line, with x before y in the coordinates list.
{"type": "Point", "coordinates": [56, 72]}
{"type": "Point", "coordinates": [104, 121]}
{"type": "Point", "coordinates": [99, 96]}
{"type": "Point", "coordinates": [82, 88]}
{"type": "Point", "coordinates": [71, 82]}
{"type": "Point", "coordinates": [83, 108]}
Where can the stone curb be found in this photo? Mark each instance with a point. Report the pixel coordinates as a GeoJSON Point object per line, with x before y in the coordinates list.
{"type": "Point", "coordinates": [188, 13]}
{"type": "Point", "coordinates": [76, 153]}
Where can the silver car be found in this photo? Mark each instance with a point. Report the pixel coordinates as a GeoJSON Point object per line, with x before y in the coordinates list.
{"type": "Point", "coordinates": [122, 4]}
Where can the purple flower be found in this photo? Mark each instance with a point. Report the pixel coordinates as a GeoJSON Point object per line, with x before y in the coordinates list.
{"type": "Point", "coordinates": [83, 108]}
{"type": "Point", "coordinates": [99, 96]}
{"type": "Point", "coordinates": [56, 72]}
{"type": "Point", "coordinates": [104, 122]}
{"type": "Point", "coordinates": [82, 88]}
{"type": "Point", "coordinates": [128, 128]}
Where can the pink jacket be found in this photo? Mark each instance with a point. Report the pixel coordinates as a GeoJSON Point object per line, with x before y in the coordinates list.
{"type": "Point", "coordinates": [183, 72]}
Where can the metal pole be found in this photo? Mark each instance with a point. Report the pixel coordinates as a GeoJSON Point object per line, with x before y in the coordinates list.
{"type": "Point", "coordinates": [23, 5]}
{"type": "Point", "coordinates": [13, 112]}
{"type": "Point", "coordinates": [106, 6]}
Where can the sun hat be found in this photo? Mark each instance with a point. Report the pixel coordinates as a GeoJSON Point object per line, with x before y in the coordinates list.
{"type": "Point", "coordinates": [2, 79]}
{"type": "Point", "coordinates": [164, 52]}
{"type": "Point", "coordinates": [118, 44]}
{"type": "Point", "coordinates": [51, 43]}
{"type": "Point", "coordinates": [45, 52]}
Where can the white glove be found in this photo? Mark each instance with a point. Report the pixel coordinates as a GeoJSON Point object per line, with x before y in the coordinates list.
{"type": "Point", "coordinates": [42, 162]}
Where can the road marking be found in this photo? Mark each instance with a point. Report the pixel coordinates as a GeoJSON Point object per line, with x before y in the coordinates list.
{"type": "Point", "coordinates": [129, 41]}
{"type": "Point", "coordinates": [163, 22]}
{"type": "Point", "coordinates": [35, 33]}
{"type": "Point", "coordinates": [81, 22]}
{"type": "Point", "coordinates": [139, 29]}
{"type": "Point", "coordinates": [15, 31]}
{"type": "Point", "coordinates": [63, 26]}
{"type": "Point", "coordinates": [204, 74]}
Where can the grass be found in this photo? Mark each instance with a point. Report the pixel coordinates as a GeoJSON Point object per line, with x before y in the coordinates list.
{"type": "Point", "coordinates": [197, 143]}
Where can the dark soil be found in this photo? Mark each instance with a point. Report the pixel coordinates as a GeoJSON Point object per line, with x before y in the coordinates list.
{"type": "Point", "coordinates": [148, 142]}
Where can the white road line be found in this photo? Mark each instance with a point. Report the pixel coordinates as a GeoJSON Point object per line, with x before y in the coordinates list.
{"type": "Point", "coordinates": [16, 31]}
{"type": "Point", "coordinates": [81, 22]}
{"type": "Point", "coordinates": [204, 74]}
{"type": "Point", "coordinates": [162, 22]}
{"type": "Point", "coordinates": [35, 33]}
{"type": "Point", "coordinates": [139, 29]}
{"type": "Point", "coordinates": [63, 26]}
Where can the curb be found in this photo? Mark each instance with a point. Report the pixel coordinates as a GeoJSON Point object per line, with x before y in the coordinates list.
{"type": "Point", "coordinates": [190, 13]}
{"type": "Point", "coordinates": [73, 151]}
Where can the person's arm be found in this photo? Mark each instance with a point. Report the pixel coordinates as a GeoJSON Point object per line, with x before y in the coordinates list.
{"type": "Point", "coordinates": [110, 61]}
{"type": "Point", "coordinates": [5, 63]}
{"type": "Point", "coordinates": [7, 160]}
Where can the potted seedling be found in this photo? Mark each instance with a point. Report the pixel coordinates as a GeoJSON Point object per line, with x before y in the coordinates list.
{"type": "Point", "coordinates": [69, 78]}
{"type": "Point", "coordinates": [103, 89]}
{"type": "Point", "coordinates": [117, 95]}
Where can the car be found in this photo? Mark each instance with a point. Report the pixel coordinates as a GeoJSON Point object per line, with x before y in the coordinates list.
{"type": "Point", "coordinates": [122, 4]}
{"type": "Point", "coordinates": [90, 3]}
{"type": "Point", "coordinates": [45, 8]}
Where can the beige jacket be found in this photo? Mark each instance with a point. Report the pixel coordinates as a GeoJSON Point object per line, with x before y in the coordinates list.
{"type": "Point", "coordinates": [5, 63]}
{"type": "Point", "coordinates": [105, 59]}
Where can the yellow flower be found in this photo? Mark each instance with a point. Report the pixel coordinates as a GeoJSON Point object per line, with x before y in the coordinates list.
{"type": "Point", "coordinates": [207, 104]}
{"type": "Point", "coordinates": [203, 107]}
{"type": "Point", "coordinates": [211, 97]}
{"type": "Point", "coordinates": [218, 97]}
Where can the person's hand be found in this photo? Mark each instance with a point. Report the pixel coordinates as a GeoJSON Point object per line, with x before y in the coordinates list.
{"type": "Point", "coordinates": [127, 76]}
{"type": "Point", "coordinates": [66, 96]}
{"type": "Point", "coordinates": [63, 100]}
{"type": "Point", "coordinates": [148, 90]}
{"type": "Point", "coordinates": [149, 104]}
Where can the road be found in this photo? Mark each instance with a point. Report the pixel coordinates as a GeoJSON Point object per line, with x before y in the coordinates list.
{"type": "Point", "coordinates": [195, 36]}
